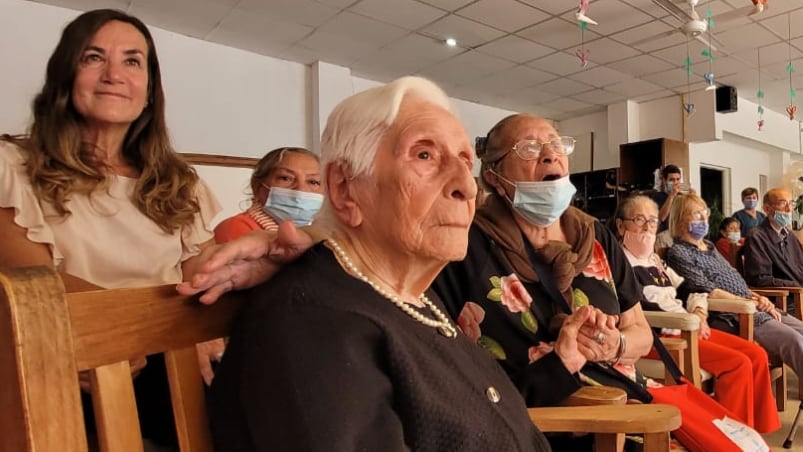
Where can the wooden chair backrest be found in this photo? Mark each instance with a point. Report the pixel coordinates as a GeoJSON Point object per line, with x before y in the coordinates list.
{"type": "Point", "coordinates": [47, 337]}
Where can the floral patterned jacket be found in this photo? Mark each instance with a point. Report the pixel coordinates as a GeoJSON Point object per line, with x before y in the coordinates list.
{"type": "Point", "coordinates": [510, 319]}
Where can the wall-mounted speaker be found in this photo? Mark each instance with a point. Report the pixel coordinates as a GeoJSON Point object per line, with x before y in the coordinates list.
{"type": "Point", "coordinates": [726, 99]}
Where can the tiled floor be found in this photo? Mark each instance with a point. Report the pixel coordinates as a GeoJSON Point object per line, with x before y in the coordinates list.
{"type": "Point", "coordinates": [776, 439]}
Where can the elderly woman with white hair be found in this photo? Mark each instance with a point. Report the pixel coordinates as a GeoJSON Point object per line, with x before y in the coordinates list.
{"type": "Point", "coordinates": [347, 348]}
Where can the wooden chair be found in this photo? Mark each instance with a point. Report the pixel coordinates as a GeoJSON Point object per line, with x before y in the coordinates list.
{"type": "Point", "coordinates": [47, 337]}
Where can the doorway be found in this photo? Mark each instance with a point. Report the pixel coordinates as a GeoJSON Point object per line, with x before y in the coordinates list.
{"type": "Point", "coordinates": [713, 190]}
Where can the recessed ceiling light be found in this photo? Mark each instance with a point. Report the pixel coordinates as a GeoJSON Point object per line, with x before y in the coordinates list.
{"type": "Point", "coordinates": [451, 42]}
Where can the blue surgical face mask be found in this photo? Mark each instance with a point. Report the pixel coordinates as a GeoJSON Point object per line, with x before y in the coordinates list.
{"type": "Point", "coordinates": [286, 204]}
{"type": "Point", "coordinates": [783, 219]}
{"type": "Point", "coordinates": [734, 237]}
{"type": "Point", "coordinates": [698, 229]}
{"type": "Point", "coordinates": [542, 202]}
{"type": "Point", "coordinates": [750, 204]}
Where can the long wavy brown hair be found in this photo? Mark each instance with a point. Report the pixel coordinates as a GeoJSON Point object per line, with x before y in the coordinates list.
{"type": "Point", "coordinates": [59, 163]}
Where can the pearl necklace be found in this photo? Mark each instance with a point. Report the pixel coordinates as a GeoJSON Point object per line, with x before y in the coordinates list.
{"type": "Point", "coordinates": [442, 324]}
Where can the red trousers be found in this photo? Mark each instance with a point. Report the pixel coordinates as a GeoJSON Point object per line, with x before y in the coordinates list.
{"type": "Point", "coordinates": [741, 379]}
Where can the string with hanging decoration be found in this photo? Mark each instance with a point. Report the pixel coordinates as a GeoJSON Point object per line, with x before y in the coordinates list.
{"type": "Point", "coordinates": [582, 22]}
{"type": "Point", "coordinates": [709, 54]}
{"type": "Point", "coordinates": [760, 96]}
{"type": "Point", "coordinates": [791, 110]}
{"type": "Point", "coordinates": [688, 105]}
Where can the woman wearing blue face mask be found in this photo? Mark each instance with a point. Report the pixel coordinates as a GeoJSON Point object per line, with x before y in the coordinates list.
{"type": "Point", "coordinates": [532, 260]}
{"type": "Point", "coordinates": [286, 185]}
{"type": "Point", "coordinates": [706, 271]}
{"type": "Point", "coordinates": [750, 216]}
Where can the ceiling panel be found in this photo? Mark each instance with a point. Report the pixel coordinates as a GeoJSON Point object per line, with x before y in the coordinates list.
{"type": "Point", "coordinates": [408, 55]}
{"type": "Point", "coordinates": [303, 12]}
{"type": "Point", "coordinates": [606, 50]}
{"type": "Point", "coordinates": [640, 65]}
{"type": "Point", "coordinates": [467, 32]}
{"type": "Point", "coordinates": [599, 97]}
{"type": "Point", "coordinates": [515, 49]}
{"type": "Point", "coordinates": [506, 15]}
{"type": "Point", "coordinates": [172, 15]}
{"type": "Point", "coordinates": [257, 34]}
{"type": "Point", "coordinates": [447, 5]}
{"type": "Point", "coordinates": [408, 14]}
{"type": "Point", "coordinates": [615, 17]}
{"type": "Point", "coordinates": [633, 87]}
{"type": "Point", "coordinates": [511, 80]}
{"type": "Point", "coordinates": [556, 7]}
{"type": "Point", "coordinates": [556, 33]}
{"type": "Point", "coordinates": [600, 76]}
{"type": "Point", "coordinates": [467, 66]}
{"type": "Point", "coordinates": [565, 87]}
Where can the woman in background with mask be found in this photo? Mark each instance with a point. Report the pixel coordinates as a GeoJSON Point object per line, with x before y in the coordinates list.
{"type": "Point", "coordinates": [706, 271]}
{"type": "Point", "coordinates": [286, 185]}
{"type": "Point", "coordinates": [742, 377]}
{"type": "Point", "coordinates": [750, 216]}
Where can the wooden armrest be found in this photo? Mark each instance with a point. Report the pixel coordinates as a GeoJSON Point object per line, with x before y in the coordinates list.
{"type": "Point", "coordinates": [770, 291]}
{"type": "Point", "coordinates": [647, 418]}
{"type": "Point", "coordinates": [675, 320]}
{"type": "Point", "coordinates": [790, 289]}
{"type": "Point", "coordinates": [596, 395]}
{"type": "Point", "coordinates": [737, 306]}
{"type": "Point", "coordinates": [674, 343]}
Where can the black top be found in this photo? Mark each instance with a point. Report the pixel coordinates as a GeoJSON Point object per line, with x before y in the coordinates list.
{"type": "Point", "coordinates": [318, 361]}
{"type": "Point", "coordinates": [660, 198]}
{"type": "Point", "coordinates": [481, 293]}
{"type": "Point", "coordinates": [772, 258]}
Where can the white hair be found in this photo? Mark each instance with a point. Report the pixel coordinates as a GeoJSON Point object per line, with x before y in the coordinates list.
{"type": "Point", "coordinates": [356, 126]}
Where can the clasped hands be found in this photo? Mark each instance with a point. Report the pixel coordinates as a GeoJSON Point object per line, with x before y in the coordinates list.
{"type": "Point", "coordinates": [588, 334]}
{"type": "Point", "coordinates": [765, 305]}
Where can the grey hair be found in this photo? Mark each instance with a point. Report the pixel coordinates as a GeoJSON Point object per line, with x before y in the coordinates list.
{"type": "Point", "coordinates": [356, 126]}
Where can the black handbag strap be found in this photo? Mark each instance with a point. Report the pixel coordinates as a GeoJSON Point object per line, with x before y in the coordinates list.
{"type": "Point", "coordinates": [669, 363]}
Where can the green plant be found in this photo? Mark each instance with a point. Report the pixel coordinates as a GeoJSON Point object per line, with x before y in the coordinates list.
{"type": "Point", "coordinates": [715, 219]}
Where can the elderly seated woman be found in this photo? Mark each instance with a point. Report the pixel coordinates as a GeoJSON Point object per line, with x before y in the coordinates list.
{"type": "Point", "coordinates": [742, 381]}
{"type": "Point", "coordinates": [346, 348]}
{"type": "Point", "coordinates": [706, 271]}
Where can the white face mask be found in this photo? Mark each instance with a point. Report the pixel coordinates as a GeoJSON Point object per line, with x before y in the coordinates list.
{"type": "Point", "coordinates": [542, 202]}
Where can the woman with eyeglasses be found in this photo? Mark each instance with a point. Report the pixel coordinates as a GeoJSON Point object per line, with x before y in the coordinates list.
{"type": "Point", "coordinates": [706, 271]}
{"type": "Point", "coordinates": [285, 185]}
{"type": "Point", "coordinates": [741, 373]}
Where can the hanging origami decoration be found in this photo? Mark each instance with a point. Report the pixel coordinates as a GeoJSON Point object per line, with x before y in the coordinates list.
{"type": "Point", "coordinates": [582, 52]}
{"type": "Point", "coordinates": [791, 110]}
{"type": "Point", "coordinates": [688, 106]}
{"type": "Point", "coordinates": [583, 9]}
{"type": "Point", "coordinates": [759, 6]}
{"type": "Point", "coordinates": [760, 96]}
{"type": "Point", "coordinates": [709, 53]}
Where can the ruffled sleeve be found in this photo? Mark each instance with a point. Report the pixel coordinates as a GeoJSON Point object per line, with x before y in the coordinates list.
{"type": "Point", "coordinates": [200, 230]}
{"type": "Point", "coordinates": [16, 191]}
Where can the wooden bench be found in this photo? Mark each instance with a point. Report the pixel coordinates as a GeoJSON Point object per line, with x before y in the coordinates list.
{"type": "Point", "coordinates": [47, 337]}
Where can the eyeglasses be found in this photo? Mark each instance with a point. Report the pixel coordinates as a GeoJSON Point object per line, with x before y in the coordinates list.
{"type": "Point", "coordinates": [701, 214]}
{"type": "Point", "coordinates": [784, 203]}
{"type": "Point", "coordinates": [641, 220]}
{"type": "Point", "coordinates": [531, 149]}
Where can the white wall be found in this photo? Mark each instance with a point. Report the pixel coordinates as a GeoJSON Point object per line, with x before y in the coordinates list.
{"type": "Point", "coordinates": [602, 157]}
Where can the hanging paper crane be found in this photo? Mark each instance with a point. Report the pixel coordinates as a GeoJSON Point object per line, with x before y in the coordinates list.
{"type": "Point", "coordinates": [583, 8]}
{"type": "Point", "coordinates": [759, 6]}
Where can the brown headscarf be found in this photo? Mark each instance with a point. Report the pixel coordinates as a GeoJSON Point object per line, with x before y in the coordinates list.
{"type": "Point", "coordinates": [567, 259]}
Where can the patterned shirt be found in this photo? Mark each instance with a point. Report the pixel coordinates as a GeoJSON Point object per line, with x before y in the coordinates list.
{"type": "Point", "coordinates": [707, 270]}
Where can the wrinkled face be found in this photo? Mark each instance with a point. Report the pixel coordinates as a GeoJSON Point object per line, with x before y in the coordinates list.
{"type": "Point", "coordinates": [548, 166]}
{"type": "Point", "coordinates": [420, 198]}
{"type": "Point", "coordinates": [779, 200]}
{"type": "Point", "coordinates": [643, 217]}
{"type": "Point", "coordinates": [296, 171]}
{"type": "Point", "coordinates": [111, 81]}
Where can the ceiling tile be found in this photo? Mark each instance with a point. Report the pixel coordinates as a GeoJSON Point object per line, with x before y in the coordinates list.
{"type": "Point", "coordinates": [447, 5]}
{"type": "Point", "coordinates": [564, 87]}
{"type": "Point", "coordinates": [360, 28]}
{"type": "Point", "coordinates": [407, 55]}
{"type": "Point", "coordinates": [537, 96]}
{"type": "Point", "coordinates": [506, 15]}
{"type": "Point", "coordinates": [339, 49]}
{"type": "Point", "coordinates": [468, 33]}
{"type": "Point", "coordinates": [773, 53]}
{"type": "Point", "coordinates": [728, 65]}
{"type": "Point", "coordinates": [640, 65]}
{"type": "Point", "coordinates": [779, 24]}
{"type": "Point", "coordinates": [515, 49]}
{"type": "Point", "coordinates": [556, 7]}
{"type": "Point", "coordinates": [408, 14]}
{"type": "Point", "coordinates": [172, 15]}
{"type": "Point", "coordinates": [599, 97]}
{"type": "Point", "coordinates": [257, 33]}
{"type": "Point", "coordinates": [557, 33]}
{"type": "Point", "coordinates": [667, 79]}
{"type": "Point", "coordinates": [465, 67]}
{"type": "Point", "coordinates": [86, 5]}
{"type": "Point", "coordinates": [606, 50]}
{"type": "Point", "coordinates": [649, 7]}
{"type": "Point", "coordinates": [656, 95]}
{"type": "Point", "coordinates": [648, 31]}
{"type": "Point", "coordinates": [677, 55]}
{"type": "Point", "coordinates": [511, 80]}
{"type": "Point", "coordinates": [568, 104]}
{"type": "Point", "coordinates": [633, 88]}
{"type": "Point", "coordinates": [303, 12]}
{"type": "Point", "coordinates": [736, 39]}
{"type": "Point", "coordinates": [560, 63]}
{"type": "Point", "coordinates": [600, 76]}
